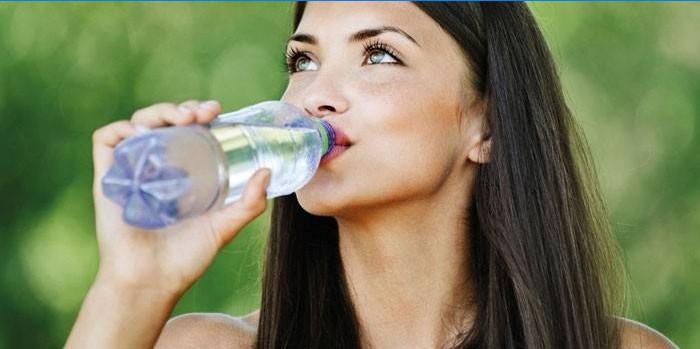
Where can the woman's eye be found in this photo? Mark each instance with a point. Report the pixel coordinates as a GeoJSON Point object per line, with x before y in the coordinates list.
{"type": "Point", "coordinates": [299, 61]}
{"type": "Point", "coordinates": [378, 56]}
{"type": "Point", "coordinates": [304, 63]}
{"type": "Point", "coordinates": [374, 53]}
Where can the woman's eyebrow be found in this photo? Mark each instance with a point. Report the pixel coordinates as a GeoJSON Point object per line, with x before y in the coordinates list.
{"type": "Point", "coordinates": [358, 36]}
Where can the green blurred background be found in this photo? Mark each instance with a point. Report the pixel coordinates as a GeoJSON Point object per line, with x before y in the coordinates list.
{"type": "Point", "coordinates": [631, 73]}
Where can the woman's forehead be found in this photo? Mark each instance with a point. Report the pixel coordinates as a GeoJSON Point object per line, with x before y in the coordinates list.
{"type": "Point", "coordinates": [340, 19]}
{"type": "Point", "coordinates": [334, 23]}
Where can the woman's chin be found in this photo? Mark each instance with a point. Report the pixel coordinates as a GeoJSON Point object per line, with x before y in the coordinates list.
{"type": "Point", "coordinates": [319, 202]}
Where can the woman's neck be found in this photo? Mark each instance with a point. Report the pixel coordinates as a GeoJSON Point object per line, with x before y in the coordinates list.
{"type": "Point", "coordinates": [408, 273]}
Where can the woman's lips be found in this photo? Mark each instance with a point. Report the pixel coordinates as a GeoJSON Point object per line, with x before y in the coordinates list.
{"type": "Point", "coordinates": [337, 150]}
{"type": "Point", "coordinates": [340, 137]}
{"type": "Point", "coordinates": [341, 143]}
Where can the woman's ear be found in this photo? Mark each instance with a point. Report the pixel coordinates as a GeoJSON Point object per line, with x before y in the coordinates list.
{"type": "Point", "coordinates": [476, 133]}
{"type": "Point", "coordinates": [480, 153]}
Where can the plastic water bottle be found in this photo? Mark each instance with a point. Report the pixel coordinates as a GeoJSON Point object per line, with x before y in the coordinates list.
{"type": "Point", "coordinates": [171, 173]}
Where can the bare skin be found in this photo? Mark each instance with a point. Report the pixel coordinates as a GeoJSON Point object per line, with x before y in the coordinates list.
{"type": "Point", "coordinates": [142, 274]}
{"type": "Point", "coordinates": [220, 331]}
{"type": "Point", "coordinates": [402, 240]}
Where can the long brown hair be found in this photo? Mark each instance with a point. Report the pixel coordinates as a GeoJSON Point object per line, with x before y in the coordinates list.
{"type": "Point", "coordinates": [545, 264]}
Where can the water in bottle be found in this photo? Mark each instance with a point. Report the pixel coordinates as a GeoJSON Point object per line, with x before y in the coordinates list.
{"type": "Point", "coordinates": [172, 173]}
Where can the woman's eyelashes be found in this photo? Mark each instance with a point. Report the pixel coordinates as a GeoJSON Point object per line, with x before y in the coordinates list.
{"type": "Point", "coordinates": [375, 52]}
{"type": "Point", "coordinates": [297, 60]}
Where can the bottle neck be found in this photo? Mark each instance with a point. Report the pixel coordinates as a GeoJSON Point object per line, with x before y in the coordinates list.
{"type": "Point", "coordinates": [327, 135]}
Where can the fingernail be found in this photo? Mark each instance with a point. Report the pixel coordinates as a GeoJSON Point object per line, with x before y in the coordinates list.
{"type": "Point", "coordinates": [184, 110]}
{"type": "Point", "coordinates": [141, 129]}
{"type": "Point", "coordinates": [211, 105]}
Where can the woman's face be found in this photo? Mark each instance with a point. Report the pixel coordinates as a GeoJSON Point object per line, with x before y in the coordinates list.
{"type": "Point", "coordinates": [393, 81]}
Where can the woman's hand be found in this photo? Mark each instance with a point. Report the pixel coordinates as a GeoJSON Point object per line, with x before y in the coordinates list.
{"type": "Point", "coordinates": [143, 273]}
{"type": "Point", "coordinates": [172, 258]}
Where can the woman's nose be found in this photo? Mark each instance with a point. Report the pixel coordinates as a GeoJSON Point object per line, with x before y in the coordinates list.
{"type": "Point", "coordinates": [324, 97]}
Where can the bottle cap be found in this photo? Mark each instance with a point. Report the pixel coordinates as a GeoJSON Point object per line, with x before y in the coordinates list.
{"type": "Point", "coordinates": [327, 135]}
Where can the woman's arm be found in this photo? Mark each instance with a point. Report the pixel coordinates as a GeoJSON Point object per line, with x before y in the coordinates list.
{"type": "Point", "coordinates": [119, 317]}
{"type": "Point", "coordinates": [143, 273]}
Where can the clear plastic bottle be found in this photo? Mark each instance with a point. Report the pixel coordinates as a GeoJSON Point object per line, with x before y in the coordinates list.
{"type": "Point", "coordinates": [168, 174]}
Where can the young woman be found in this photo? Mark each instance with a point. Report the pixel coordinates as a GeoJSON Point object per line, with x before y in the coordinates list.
{"type": "Point", "coordinates": [462, 214]}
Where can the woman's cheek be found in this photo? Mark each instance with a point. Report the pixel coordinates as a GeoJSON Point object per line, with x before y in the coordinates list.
{"type": "Point", "coordinates": [296, 86]}
{"type": "Point", "coordinates": [377, 80]}
{"type": "Point", "coordinates": [385, 78]}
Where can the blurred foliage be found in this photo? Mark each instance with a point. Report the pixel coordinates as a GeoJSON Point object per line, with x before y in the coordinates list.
{"type": "Point", "coordinates": [631, 74]}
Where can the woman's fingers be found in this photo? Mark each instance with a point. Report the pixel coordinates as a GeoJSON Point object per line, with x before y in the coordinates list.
{"type": "Point", "coordinates": [108, 137]}
{"type": "Point", "coordinates": [157, 115]}
{"type": "Point", "coordinates": [105, 139]}
{"type": "Point", "coordinates": [161, 114]}
{"type": "Point", "coordinates": [165, 114]}
{"type": "Point", "coordinates": [227, 222]}
{"type": "Point", "coordinates": [207, 111]}
{"type": "Point", "coordinates": [204, 112]}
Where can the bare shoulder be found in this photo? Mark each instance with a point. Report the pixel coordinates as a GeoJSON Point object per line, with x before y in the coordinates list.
{"type": "Point", "coordinates": [636, 335]}
{"type": "Point", "coordinates": [252, 319]}
{"type": "Point", "coordinates": [209, 330]}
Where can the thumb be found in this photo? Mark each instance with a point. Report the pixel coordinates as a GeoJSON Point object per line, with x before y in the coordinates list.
{"type": "Point", "coordinates": [228, 221]}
